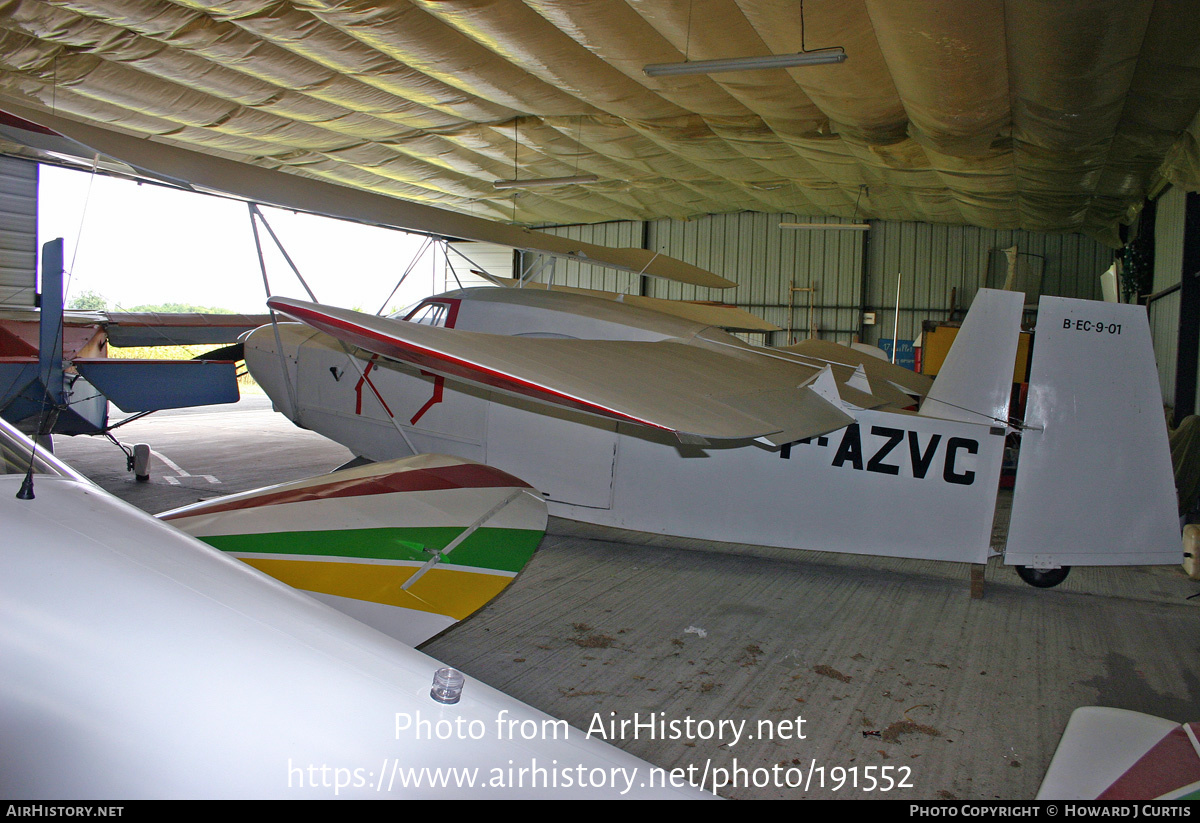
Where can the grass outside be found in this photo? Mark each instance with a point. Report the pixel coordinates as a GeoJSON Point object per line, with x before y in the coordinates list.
{"type": "Point", "coordinates": [246, 384]}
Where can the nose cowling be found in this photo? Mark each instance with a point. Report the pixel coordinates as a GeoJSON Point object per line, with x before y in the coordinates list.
{"type": "Point", "coordinates": [271, 371]}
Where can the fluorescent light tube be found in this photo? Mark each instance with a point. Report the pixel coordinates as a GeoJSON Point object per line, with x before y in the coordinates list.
{"type": "Point", "coordinates": [769, 61]}
{"type": "Point", "coordinates": [834, 226]}
{"type": "Point", "coordinates": [544, 182]}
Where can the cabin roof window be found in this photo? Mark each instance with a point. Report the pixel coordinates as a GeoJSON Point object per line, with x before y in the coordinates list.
{"type": "Point", "coordinates": [429, 314]}
{"type": "Point", "coordinates": [434, 312]}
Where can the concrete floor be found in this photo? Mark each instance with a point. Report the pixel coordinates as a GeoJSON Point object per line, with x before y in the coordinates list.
{"type": "Point", "coordinates": [890, 663]}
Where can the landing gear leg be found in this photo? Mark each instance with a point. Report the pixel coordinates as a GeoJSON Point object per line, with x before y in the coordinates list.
{"type": "Point", "coordinates": [137, 459]}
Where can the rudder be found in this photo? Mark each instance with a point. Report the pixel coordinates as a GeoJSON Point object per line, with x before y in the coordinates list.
{"type": "Point", "coordinates": [1094, 482]}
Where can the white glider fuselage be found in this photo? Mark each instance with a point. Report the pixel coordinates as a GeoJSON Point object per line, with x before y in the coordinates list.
{"type": "Point", "coordinates": [873, 487]}
{"type": "Point", "coordinates": [141, 663]}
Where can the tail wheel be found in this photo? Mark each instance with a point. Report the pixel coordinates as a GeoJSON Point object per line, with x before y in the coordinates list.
{"type": "Point", "coordinates": [1043, 578]}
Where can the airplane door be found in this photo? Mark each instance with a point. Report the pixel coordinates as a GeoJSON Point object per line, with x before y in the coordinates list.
{"type": "Point", "coordinates": [567, 456]}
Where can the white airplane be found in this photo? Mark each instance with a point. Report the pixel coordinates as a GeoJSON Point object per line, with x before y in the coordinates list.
{"type": "Point", "coordinates": [142, 663]}
{"type": "Point", "coordinates": [669, 426]}
{"type": "Point", "coordinates": [628, 418]}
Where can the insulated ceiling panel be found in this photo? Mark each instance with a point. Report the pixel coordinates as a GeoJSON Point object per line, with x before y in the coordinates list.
{"type": "Point", "coordinates": [1046, 116]}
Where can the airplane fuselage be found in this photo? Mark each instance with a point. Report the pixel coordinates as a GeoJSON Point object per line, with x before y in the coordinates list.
{"type": "Point", "coordinates": [875, 487]}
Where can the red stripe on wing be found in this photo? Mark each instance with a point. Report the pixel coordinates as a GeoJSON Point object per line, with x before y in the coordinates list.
{"type": "Point", "coordinates": [436, 361]}
{"type": "Point", "coordinates": [436, 478]}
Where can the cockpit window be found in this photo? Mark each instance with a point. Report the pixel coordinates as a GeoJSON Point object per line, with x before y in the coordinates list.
{"type": "Point", "coordinates": [430, 314]}
{"type": "Point", "coordinates": [434, 312]}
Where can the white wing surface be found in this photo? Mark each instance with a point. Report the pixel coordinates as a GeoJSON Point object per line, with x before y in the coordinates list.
{"type": "Point", "coordinates": [264, 185]}
{"type": "Point", "coordinates": [698, 391]}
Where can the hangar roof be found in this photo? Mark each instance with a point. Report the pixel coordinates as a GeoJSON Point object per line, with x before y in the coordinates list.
{"type": "Point", "coordinates": [1047, 116]}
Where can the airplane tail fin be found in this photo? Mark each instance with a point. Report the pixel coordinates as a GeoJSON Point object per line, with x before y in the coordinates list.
{"type": "Point", "coordinates": [1094, 481]}
{"type": "Point", "coordinates": [975, 382]}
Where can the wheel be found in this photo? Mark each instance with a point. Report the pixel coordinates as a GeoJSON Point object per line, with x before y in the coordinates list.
{"type": "Point", "coordinates": [1043, 578]}
{"type": "Point", "coordinates": [141, 462]}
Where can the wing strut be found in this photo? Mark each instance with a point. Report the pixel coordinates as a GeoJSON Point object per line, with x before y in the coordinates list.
{"type": "Point", "coordinates": [438, 554]}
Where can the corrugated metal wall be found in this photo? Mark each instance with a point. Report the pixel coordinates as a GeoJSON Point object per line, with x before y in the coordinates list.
{"type": "Point", "coordinates": [1168, 268]}
{"type": "Point", "coordinates": [18, 231]}
{"type": "Point", "coordinates": [765, 261]}
{"type": "Point", "coordinates": [624, 234]}
{"type": "Point", "coordinates": [455, 267]}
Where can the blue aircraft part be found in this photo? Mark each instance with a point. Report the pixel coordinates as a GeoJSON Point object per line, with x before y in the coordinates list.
{"type": "Point", "coordinates": [15, 377]}
{"type": "Point", "coordinates": [150, 385]}
{"type": "Point", "coordinates": [21, 393]}
{"type": "Point", "coordinates": [24, 402]}
{"type": "Point", "coordinates": [50, 335]}
{"type": "Point", "coordinates": [77, 403]}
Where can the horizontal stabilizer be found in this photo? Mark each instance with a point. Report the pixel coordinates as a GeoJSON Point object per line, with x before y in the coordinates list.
{"type": "Point", "coordinates": [152, 385]}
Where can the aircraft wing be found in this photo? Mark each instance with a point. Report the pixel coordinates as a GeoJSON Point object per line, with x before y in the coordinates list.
{"type": "Point", "coordinates": [407, 546]}
{"type": "Point", "coordinates": [19, 329]}
{"type": "Point", "coordinates": [292, 191]}
{"type": "Point", "coordinates": [170, 329]}
{"type": "Point", "coordinates": [720, 315]}
{"type": "Point", "coordinates": [700, 393]}
{"type": "Point", "coordinates": [907, 381]}
{"type": "Point", "coordinates": [122, 636]}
